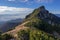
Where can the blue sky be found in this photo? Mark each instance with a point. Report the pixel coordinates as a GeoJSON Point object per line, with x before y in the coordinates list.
{"type": "Point", "coordinates": [23, 7]}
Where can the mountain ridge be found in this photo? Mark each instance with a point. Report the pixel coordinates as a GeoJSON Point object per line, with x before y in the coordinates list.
{"type": "Point", "coordinates": [47, 24]}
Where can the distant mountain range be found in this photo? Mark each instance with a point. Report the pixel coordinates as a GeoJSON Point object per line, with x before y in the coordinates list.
{"type": "Point", "coordinates": [7, 17]}
{"type": "Point", "coordinates": [9, 25]}
{"type": "Point", "coordinates": [9, 21]}
{"type": "Point", "coordinates": [57, 15]}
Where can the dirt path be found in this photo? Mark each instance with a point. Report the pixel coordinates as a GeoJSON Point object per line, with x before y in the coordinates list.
{"type": "Point", "coordinates": [16, 30]}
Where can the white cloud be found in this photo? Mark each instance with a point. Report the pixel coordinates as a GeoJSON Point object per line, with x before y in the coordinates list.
{"type": "Point", "coordinates": [11, 0]}
{"type": "Point", "coordinates": [19, 0]}
{"type": "Point", "coordinates": [44, 1]}
{"type": "Point", "coordinates": [18, 12]}
{"type": "Point", "coordinates": [30, 2]}
{"type": "Point", "coordinates": [55, 11]}
{"type": "Point", "coordinates": [13, 10]}
{"type": "Point", "coordinates": [37, 1]}
{"type": "Point", "coordinates": [23, 0]}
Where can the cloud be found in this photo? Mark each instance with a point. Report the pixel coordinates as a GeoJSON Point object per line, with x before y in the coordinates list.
{"type": "Point", "coordinates": [44, 1]}
{"type": "Point", "coordinates": [13, 10]}
{"type": "Point", "coordinates": [37, 1]}
{"type": "Point", "coordinates": [28, 2]}
{"type": "Point", "coordinates": [19, 0]}
{"type": "Point", "coordinates": [11, 0]}
{"type": "Point", "coordinates": [55, 11]}
{"type": "Point", "coordinates": [31, 2]}
{"type": "Point", "coordinates": [23, 0]}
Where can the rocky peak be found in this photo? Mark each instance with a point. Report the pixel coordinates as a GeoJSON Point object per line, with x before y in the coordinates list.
{"type": "Point", "coordinates": [42, 8]}
{"type": "Point", "coordinates": [47, 19]}
{"type": "Point", "coordinates": [43, 12]}
{"type": "Point", "coordinates": [45, 15]}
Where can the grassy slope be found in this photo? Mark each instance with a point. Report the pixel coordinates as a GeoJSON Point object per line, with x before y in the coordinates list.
{"type": "Point", "coordinates": [35, 34]}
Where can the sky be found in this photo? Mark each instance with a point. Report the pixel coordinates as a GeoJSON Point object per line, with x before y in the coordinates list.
{"type": "Point", "coordinates": [24, 7]}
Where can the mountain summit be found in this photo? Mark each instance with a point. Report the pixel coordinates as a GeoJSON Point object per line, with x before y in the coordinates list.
{"type": "Point", "coordinates": [44, 20]}
{"type": "Point", "coordinates": [42, 8]}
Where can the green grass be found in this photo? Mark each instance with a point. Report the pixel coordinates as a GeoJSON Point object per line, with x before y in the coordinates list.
{"type": "Point", "coordinates": [35, 34]}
